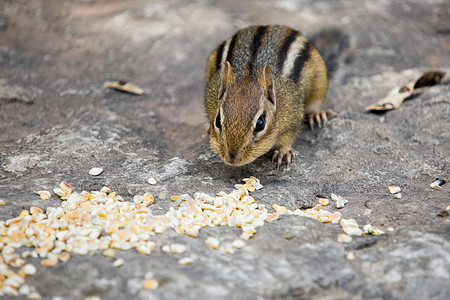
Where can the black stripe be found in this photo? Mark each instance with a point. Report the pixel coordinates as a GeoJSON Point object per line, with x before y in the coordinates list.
{"type": "Point", "coordinates": [260, 32]}
{"type": "Point", "coordinates": [285, 48]}
{"type": "Point", "coordinates": [219, 55]}
{"type": "Point", "coordinates": [300, 61]}
{"type": "Point", "coordinates": [231, 48]}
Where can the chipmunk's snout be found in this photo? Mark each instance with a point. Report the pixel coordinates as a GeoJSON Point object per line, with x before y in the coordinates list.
{"type": "Point", "coordinates": [232, 155]}
{"type": "Point", "coordinates": [234, 158]}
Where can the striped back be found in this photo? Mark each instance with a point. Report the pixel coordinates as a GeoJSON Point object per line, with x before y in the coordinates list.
{"type": "Point", "coordinates": [284, 49]}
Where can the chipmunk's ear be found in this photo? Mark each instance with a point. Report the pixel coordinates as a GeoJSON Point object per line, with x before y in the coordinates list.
{"type": "Point", "coordinates": [266, 81]}
{"type": "Point", "coordinates": [227, 78]}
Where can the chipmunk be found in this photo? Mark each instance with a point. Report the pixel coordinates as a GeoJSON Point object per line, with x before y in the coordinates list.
{"type": "Point", "coordinates": [259, 85]}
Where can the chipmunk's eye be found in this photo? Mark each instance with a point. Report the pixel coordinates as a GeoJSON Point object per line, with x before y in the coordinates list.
{"type": "Point", "coordinates": [260, 123]}
{"type": "Point", "coordinates": [218, 123]}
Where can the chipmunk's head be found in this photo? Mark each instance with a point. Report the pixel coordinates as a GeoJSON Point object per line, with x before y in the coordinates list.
{"type": "Point", "coordinates": [244, 126]}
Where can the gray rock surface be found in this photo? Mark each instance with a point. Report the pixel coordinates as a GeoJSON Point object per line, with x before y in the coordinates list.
{"type": "Point", "coordinates": [57, 122]}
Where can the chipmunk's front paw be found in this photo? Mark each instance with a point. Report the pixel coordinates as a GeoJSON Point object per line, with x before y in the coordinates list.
{"type": "Point", "coordinates": [320, 117]}
{"type": "Point", "coordinates": [281, 156]}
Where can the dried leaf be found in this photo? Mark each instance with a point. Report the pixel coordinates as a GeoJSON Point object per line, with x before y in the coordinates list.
{"type": "Point", "coordinates": [124, 87]}
{"type": "Point", "coordinates": [394, 99]}
{"type": "Point", "coordinates": [397, 95]}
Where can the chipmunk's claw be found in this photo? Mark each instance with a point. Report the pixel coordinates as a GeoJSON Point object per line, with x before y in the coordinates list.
{"type": "Point", "coordinates": [320, 117]}
{"type": "Point", "coordinates": [279, 157]}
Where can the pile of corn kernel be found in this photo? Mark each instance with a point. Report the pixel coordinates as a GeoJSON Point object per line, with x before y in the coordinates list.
{"type": "Point", "coordinates": [87, 223]}
{"type": "Point", "coordinates": [90, 222]}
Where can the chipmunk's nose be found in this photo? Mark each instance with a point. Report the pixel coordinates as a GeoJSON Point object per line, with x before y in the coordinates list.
{"type": "Point", "coordinates": [232, 155]}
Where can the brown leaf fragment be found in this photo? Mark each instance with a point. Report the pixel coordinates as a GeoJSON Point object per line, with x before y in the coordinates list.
{"type": "Point", "coordinates": [429, 78]}
{"type": "Point", "coordinates": [443, 214]}
{"type": "Point", "coordinates": [124, 86]}
{"type": "Point", "coordinates": [404, 89]}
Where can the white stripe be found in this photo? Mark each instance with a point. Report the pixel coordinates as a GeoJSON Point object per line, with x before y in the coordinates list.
{"type": "Point", "coordinates": [224, 53]}
{"type": "Point", "coordinates": [294, 50]}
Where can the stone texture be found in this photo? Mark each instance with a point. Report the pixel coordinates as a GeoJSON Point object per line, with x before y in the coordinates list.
{"type": "Point", "coordinates": [57, 122]}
